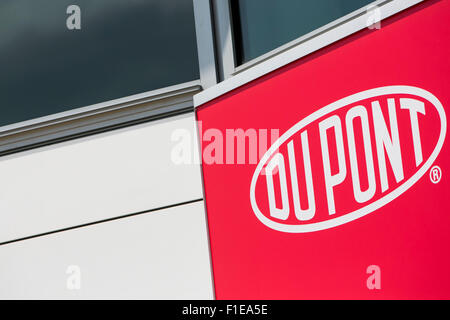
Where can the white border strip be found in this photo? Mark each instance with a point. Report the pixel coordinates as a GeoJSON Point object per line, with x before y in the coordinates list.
{"type": "Point", "coordinates": [301, 50]}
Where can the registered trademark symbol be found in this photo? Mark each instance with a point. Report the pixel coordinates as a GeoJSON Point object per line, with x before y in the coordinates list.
{"type": "Point", "coordinates": [435, 174]}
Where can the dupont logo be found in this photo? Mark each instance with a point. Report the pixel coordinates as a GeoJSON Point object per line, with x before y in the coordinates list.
{"type": "Point", "coordinates": [348, 159]}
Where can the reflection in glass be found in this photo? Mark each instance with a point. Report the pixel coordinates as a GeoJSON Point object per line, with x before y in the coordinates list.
{"type": "Point", "coordinates": [263, 25]}
{"type": "Point", "coordinates": [122, 48]}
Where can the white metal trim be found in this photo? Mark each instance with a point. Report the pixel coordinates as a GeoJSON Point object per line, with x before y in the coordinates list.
{"type": "Point", "coordinates": [302, 49]}
{"type": "Point", "coordinates": [205, 43]}
{"type": "Point", "coordinates": [224, 38]}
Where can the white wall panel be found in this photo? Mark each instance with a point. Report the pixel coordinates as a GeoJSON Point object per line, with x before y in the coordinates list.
{"type": "Point", "coordinates": [95, 178]}
{"type": "Point", "coordinates": [157, 255]}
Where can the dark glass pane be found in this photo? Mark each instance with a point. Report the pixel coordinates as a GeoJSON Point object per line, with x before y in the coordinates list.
{"type": "Point", "coordinates": [263, 25]}
{"type": "Point", "coordinates": [124, 47]}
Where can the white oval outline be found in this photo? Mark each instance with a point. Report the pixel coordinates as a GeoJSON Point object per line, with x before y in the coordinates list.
{"type": "Point", "coordinates": [317, 226]}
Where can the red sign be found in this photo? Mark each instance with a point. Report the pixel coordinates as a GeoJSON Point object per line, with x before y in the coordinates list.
{"type": "Point", "coordinates": [349, 198]}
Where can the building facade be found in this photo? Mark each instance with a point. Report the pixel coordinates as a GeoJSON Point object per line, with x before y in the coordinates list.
{"type": "Point", "coordinates": [139, 144]}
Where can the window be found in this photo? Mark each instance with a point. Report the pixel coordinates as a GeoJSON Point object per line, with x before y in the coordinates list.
{"type": "Point", "coordinates": [123, 48]}
{"type": "Point", "coordinates": [260, 26]}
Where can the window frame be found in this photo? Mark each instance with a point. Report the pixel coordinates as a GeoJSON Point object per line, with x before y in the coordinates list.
{"type": "Point", "coordinates": [124, 111]}
{"type": "Point", "coordinates": [100, 117]}
{"type": "Point", "coordinates": [307, 36]}
{"type": "Point", "coordinates": [291, 51]}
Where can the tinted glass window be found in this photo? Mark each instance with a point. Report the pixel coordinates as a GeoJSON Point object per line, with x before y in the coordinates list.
{"type": "Point", "coordinates": [124, 47]}
{"type": "Point", "coordinates": [263, 25]}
